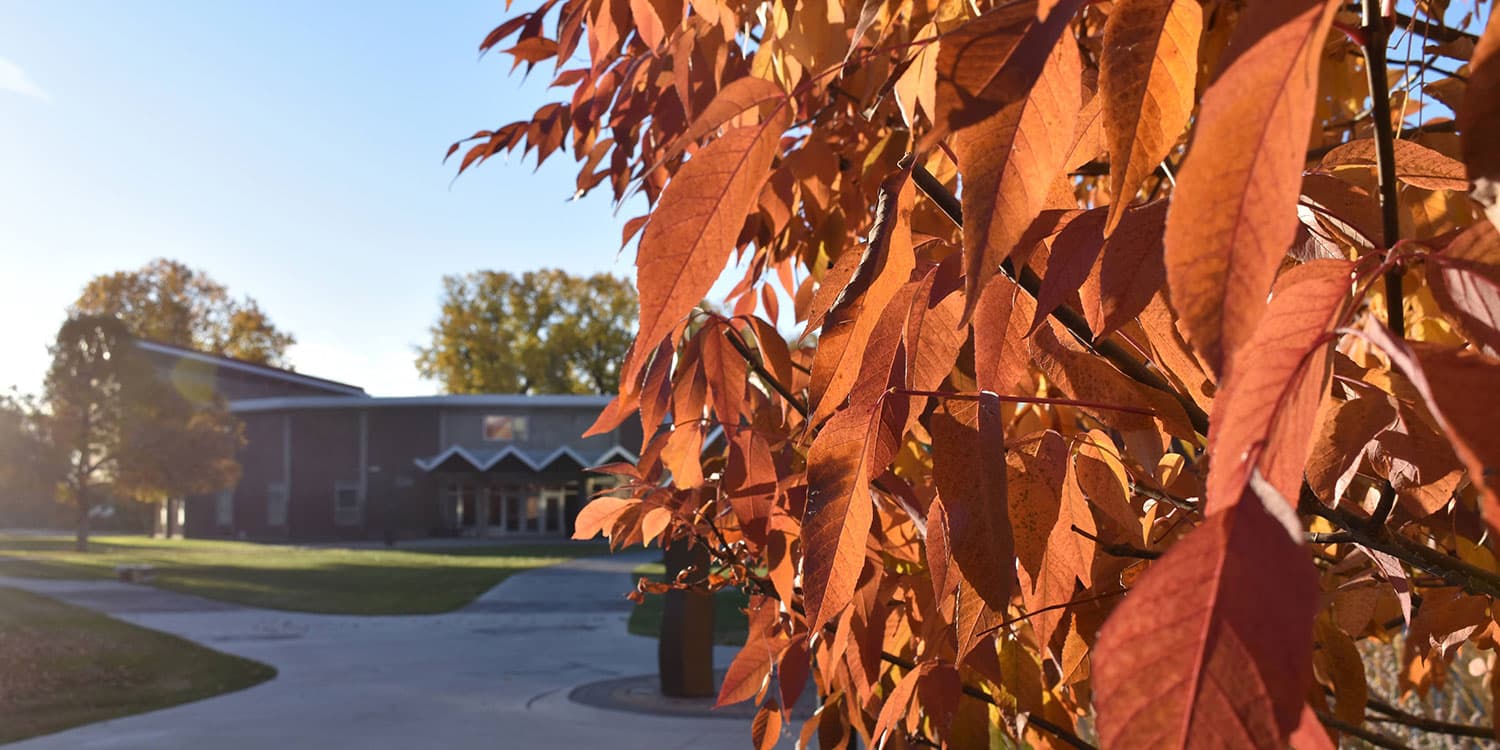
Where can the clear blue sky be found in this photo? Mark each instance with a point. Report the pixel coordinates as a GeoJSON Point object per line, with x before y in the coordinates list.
{"type": "Point", "coordinates": [293, 150]}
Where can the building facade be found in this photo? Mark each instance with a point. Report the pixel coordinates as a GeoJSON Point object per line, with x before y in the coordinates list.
{"type": "Point", "coordinates": [324, 461]}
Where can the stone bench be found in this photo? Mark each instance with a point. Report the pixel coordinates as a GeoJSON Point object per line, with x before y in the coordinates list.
{"type": "Point", "coordinates": [136, 573]}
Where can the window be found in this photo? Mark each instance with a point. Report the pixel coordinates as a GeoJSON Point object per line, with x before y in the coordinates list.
{"type": "Point", "coordinates": [346, 505]}
{"type": "Point", "coordinates": [276, 504]}
{"type": "Point", "coordinates": [504, 428]}
{"type": "Point", "coordinates": [224, 509]}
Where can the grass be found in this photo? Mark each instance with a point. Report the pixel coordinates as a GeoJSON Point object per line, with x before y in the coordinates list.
{"type": "Point", "coordinates": [303, 579]}
{"type": "Point", "coordinates": [730, 626]}
{"type": "Point", "coordinates": [62, 666]}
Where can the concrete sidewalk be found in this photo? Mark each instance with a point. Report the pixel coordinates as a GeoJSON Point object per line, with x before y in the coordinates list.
{"type": "Point", "coordinates": [494, 675]}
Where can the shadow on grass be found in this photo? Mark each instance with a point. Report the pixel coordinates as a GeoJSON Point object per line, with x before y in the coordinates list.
{"type": "Point", "coordinates": [319, 580]}
{"type": "Point", "coordinates": [64, 666]}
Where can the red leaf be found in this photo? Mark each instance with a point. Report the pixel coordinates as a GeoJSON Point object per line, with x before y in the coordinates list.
{"type": "Point", "coordinates": [751, 668]}
{"type": "Point", "coordinates": [736, 98]}
{"type": "Point", "coordinates": [1264, 415]}
{"type": "Point", "coordinates": [1416, 165]}
{"type": "Point", "coordinates": [765, 728]}
{"type": "Point", "coordinates": [985, 64]}
{"type": "Point", "coordinates": [1128, 272]}
{"type": "Point", "coordinates": [1447, 379]}
{"type": "Point", "coordinates": [968, 463]}
{"type": "Point", "coordinates": [1011, 159]}
{"type": "Point", "coordinates": [1072, 253]}
{"type": "Point", "coordinates": [599, 514]}
{"type": "Point", "coordinates": [836, 524]}
{"type": "Point", "coordinates": [1223, 627]}
{"type": "Point", "coordinates": [1465, 281]}
{"type": "Point", "coordinates": [695, 226]}
{"type": "Point", "coordinates": [1233, 210]}
{"type": "Point", "coordinates": [1148, 72]}
{"type": "Point", "coordinates": [1480, 109]}
{"type": "Point", "coordinates": [884, 269]}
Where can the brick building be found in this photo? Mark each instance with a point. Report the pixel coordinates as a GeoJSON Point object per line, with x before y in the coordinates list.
{"type": "Point", "coordinates": [325, 461]}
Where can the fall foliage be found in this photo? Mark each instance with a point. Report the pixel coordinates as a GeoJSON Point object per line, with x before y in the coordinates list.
{"type": "Point", "coordinates": [541, 331]}
{"type": "Point", "coordinates": [1144, 386]}
{"type": "Point", "coordinates": [119, 429]}
{"type": "Point", "coordinates": [169, 302]}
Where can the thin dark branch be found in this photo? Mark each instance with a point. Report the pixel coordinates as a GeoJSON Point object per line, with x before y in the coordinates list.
{"type": "Point", "coordinates": [1009, 621]}
{"type": "Point", "coordinates": [760, 369]}
{"type": "Point", "coordinates": [1431, 65]}
{"type": "Point", "coordinates": [1181, 503]}
{"type": "Point", "coordinates": [1067, 737]}
{"type": "Point", "coordinates": [1337, 537]}
{"type": "Point", "coordinates": [1398, 716]}
{"type": "Point", "coordinates": [1374, 738]}
{"type": "Point", "coordinates": [1068, 317]}
{"type": "Point", "coordinates": [1454, 571]}
{"type": "Point", "coordinates": [1118, 549]}
{"type": "Point", "coordinates": [1373, 26]}
{"type": "Point", "coordinates": [1433, 30]}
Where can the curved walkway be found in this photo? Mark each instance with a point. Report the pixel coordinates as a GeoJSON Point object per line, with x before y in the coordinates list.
{"type": "Point", "coordinates": [495, 674]}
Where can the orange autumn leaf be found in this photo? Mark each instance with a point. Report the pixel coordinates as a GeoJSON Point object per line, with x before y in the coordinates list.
{"type": "Point", "coordinates": [1232, 214]}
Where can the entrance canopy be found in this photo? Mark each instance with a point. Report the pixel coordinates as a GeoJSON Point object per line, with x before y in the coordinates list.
{"type": "Point", "coordinates": [459, 458]}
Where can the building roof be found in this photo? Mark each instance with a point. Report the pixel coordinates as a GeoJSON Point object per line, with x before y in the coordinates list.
{"type": "Point", "coordinates": [504, 400]}
{"type": "Point", "coordinates": [252, 368]}
{"type": "Point", "coordinates": [534, 460]}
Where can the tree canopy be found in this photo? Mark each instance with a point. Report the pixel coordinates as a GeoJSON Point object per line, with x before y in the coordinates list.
{"type": "Point", "coordinates": [1145, 391]}
{"type": "Point", "coordinates": [30, 468]}
{"type": "Point", "coordinates": [123, 430]}
{"type": "Point", "coordinates": [540, 332]}
{"type": "Point", "coordinates": [169, 302]}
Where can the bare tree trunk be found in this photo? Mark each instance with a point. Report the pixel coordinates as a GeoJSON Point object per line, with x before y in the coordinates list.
{"type": "Point", "coordinates": [81, 539]}
{"type": "Point", "coordinates": [685, 650]}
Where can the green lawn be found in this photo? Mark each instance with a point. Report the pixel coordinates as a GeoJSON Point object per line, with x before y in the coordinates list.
{"type": "Point", "coordinates": [61, 666]}
{"type": "Point", "coordinates": [730, 626]}
{"type": "Point", "coordinates": [335, 581]}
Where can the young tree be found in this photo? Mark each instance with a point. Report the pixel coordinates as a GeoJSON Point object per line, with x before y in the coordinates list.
{"type": "Point", "coordinates": [1151, 350]}
{"type": "Point", "coordinates": [177, 448]}
{"type": "Point", "coordinates": [168, 302]}
{"type": "Point", "coordinates": [30, 469]}
{"type": "Point", "coordinates": [118, 425]}
{"type": "Point", "coordinates": [541, 332]}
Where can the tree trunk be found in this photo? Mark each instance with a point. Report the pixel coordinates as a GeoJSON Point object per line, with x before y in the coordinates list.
{"type": "Point", "coordinates": [81, 538]}
{"type": "Point", "coordinates": [685, 653]}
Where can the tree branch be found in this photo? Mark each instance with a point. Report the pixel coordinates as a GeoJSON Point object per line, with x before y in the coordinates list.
{"type": "Point", "coordinates": [1433, 30]}
{"type": "Point", "coordinates": [1114, 549]}
{"type": "Point", "coordinates": [1374, 738]}
{"type": "Point", "coordinates": [1068, 317]}
{"type": "Point", "coordinates": [1452, 570]}
{"type": "Point", "coordinates": [760, 369]}
{"type": "Point", "coordinates": [1398, 716]}
{"type": "Point", "coordinates": [1374, 43]}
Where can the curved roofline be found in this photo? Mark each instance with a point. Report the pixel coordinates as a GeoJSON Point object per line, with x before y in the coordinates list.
{"type": "Point", "coordinates": [284, 403]}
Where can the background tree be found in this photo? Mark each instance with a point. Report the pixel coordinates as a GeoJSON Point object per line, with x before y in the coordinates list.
{"type": "Point", "coordinates": [30, 469]}
{"type": "Point", "coordinates": [1145, 394]}
{"type": "Point", "coordinates": [168, 302]}
{"type": "Point", "coordinates": [541, 332]}
{"type": "Point", "coordinates": [118, 426]}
